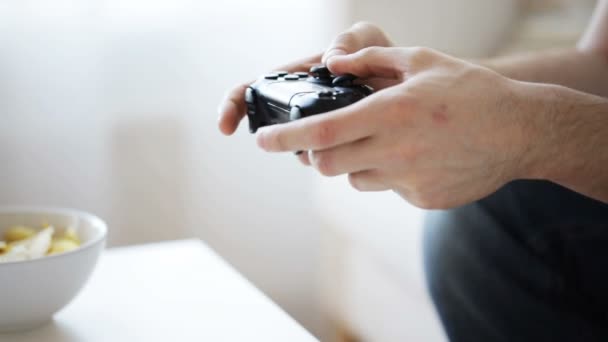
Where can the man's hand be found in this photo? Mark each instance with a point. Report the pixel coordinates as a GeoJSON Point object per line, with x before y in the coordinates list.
{"type": "Point", "coordinates": [359, 36]}
{"type": "Point", "coordinates": [443, 132]}
{"type": "Point", "coordinates": [447, 133]}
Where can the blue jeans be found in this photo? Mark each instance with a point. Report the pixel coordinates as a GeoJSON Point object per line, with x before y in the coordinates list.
{"type": "Point", "coordinates": [528, 263]}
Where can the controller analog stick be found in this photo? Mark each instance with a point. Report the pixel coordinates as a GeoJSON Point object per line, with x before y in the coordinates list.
{"type": "Point", "coordinates": [345, 80]}
{"type": "Point", "coordinates": [320, 72]}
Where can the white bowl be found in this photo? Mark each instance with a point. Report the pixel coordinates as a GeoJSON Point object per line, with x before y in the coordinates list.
{"type": "Point", "coordinates": [32, 291]}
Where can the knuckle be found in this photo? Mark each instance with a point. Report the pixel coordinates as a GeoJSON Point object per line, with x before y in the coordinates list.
{"type": "Point", "coordinates": [375, 34]}
{"type": "Point", "coordinates": [238, 90]}
{"type": "Point", "coordinates": [364, 25]}
{"type": "Point", "coordinates": [324, 134]}
{"type": "Point", "coordinates": [323, 163]}
{"type": "Point", "coordinates": [421, 55]}
{"type": "Point", "coordinates": [421, 201]}
{"type": "Point", "coordinates": [276, 140]}
{"type": "Point", "coordinates": [347, 41]}
{"type": "Point", "coordinates": [355, 181]}
{"type": "Point", "coordinates": [423, 194]}
{"type": "Point", "coordinates": [370, 51]}
{"type": "Point", "coordinates": [236, 94]}
{"type": "Point", "coordinates": [422, 51]}
{"type": "Point", "coordinates": [361, 24]}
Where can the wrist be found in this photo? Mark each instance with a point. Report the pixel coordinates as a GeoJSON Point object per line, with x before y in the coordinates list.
{"type": "Point", "coordinates": [535, 114]}
{"type": "Point", "coordinates": [557, 125]}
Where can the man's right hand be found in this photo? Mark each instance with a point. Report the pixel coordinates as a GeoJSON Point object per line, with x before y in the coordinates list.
{"type": "Point", "coordinates": [359, 36]}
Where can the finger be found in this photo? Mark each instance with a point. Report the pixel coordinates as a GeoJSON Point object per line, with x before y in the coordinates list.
{"type": "Point", "coordinates": [357, 37]}
{"type": "Point", "coordinates": [303, 64]}
{"type": "Point", "coordinates": [379, 83]}
{"type": "Point", "coordinates": [368, 180]}
{"type": "Point", "coordinates": [370, 62]}
{"type": "Point", "coordinates": [232, 108]}
{"type": "Point", "coordinates": [324, 131]}
{"type": "Point", "coordinates": [304, 158]}
{"type": "Point", "coordinates": [357, 156]}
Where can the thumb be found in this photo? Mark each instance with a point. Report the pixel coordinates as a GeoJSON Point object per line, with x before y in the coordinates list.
{"type": "Point", "coordinates": [371, 62]}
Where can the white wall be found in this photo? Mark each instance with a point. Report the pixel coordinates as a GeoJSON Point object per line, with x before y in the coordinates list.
{"type": "Point", "coordinates": [466, 28]}
{"type": "Point", "coordinates": [110, 106]}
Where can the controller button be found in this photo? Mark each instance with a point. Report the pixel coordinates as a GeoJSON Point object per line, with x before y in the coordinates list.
{"type": "Point", "coordinates": [271, 76]}
{"type": "Point", "coordinates": [325, 93]}
{"type": "Point", "coordinates": [301, 74]}
{"type": "Point", "coordinates": [292, 78]}
{"type": "Point", "coordinates": [295, 113]}
{"type": "Point", "coordinates": [367, 90]}
{"type": "Point", "coordinates": [281, 73]}
{"type": "Point", "coordinates": [250, 109]}
{"type": "Point", "coordinates": [249, 97]}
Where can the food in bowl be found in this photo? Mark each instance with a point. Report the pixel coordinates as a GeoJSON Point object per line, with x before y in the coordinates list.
{"type": "Point", "coordinates": [34, 290]}
{"type": "Point", "coordinates": [26, 243]}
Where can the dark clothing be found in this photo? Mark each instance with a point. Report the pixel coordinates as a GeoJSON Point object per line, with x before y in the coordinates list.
{"type": "Point", "coordinates": [528, 263]}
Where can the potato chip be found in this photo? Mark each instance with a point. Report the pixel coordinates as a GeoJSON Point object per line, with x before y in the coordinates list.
{"type": "Point", "coordinates": [18, 233]}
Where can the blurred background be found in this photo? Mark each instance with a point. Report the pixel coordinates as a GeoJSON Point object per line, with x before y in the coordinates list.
{"type": "Point", "coordinates": [110, 106]}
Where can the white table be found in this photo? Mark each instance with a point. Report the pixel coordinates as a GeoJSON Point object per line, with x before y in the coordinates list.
{"type": "Point", "coordinates": [171, 291]}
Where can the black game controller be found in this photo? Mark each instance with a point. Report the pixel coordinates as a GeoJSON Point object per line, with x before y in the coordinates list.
{"type": "Point", "coordinates": [281, 97]}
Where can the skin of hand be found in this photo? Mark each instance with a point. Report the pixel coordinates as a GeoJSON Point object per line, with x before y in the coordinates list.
{"type": "Point", "coordinates": [444, 135]}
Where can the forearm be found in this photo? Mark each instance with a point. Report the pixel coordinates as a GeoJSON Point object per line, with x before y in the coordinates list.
{"type": "Point", "coordinates": [583, 68]}
{"type": "Point", "coordinates": [578, 69]}
{"type": "Point", "coordinates": [569, 138]}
